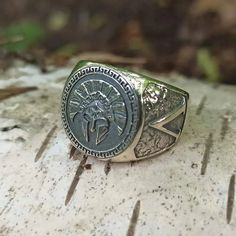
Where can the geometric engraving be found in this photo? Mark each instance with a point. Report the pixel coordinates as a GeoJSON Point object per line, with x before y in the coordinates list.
{"type": "Point", "coordinates": [162, 122]}
{"type": "Point", "coordinates": [165, 111]}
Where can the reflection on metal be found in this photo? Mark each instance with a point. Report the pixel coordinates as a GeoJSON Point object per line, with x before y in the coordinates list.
{"type": "Point", "coordinates": [115, 114]}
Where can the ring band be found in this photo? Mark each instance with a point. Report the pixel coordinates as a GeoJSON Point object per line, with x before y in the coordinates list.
{"type": "Point", "coordinates": [113, 113]}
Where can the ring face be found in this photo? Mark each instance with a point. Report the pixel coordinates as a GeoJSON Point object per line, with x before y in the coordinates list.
{"type": "Point", "coordinates": [100, 111]}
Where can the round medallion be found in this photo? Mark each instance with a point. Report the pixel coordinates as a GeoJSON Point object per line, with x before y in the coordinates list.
{"type": "Point", "coordinates": [100, 111]}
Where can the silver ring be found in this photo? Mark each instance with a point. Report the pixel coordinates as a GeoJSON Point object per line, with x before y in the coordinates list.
{"type": "Point", "coordinates": [113, 113]}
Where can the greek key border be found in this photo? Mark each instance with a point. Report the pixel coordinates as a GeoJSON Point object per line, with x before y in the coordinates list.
{"type": "Point", "coordinates": [130, 91]}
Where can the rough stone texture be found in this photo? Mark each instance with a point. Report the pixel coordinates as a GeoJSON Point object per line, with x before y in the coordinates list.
{"type": "Point", "coordinates": [182, 192]}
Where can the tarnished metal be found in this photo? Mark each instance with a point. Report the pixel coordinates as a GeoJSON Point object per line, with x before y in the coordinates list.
{"type": "Point", "coordinates": [112, 113]}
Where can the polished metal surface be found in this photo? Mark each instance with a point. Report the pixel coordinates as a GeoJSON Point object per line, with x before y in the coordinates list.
{"type": "Point", "coordinates": [112, 113]}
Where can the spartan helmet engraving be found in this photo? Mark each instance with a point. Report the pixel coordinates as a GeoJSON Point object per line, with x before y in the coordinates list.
{"type": "Point", "coordinates": [99, 104]}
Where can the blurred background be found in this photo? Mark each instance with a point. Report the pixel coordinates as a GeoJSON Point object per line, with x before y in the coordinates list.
{"type": "Point", "coordinates": [196, 38]}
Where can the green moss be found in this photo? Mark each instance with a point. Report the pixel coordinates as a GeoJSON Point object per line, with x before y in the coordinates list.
{"type": "Point", "coordinates": [22, 36]}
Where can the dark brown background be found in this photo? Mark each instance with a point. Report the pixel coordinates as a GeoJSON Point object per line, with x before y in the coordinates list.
{"type": "Point", "coordinates": [192, 37]}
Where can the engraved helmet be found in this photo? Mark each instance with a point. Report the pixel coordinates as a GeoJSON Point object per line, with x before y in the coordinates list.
{"type": "Point", "coordinates": [100, 104]}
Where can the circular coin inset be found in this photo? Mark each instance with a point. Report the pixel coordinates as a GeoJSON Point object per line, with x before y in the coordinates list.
{"type": "Point", "coordinates": [100, 111]}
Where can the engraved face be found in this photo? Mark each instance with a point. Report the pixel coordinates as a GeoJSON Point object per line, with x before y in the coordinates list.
{"type": "Point", "coordinates": [97, 105]}
{"type": "Point", "coordinates": [100, 111]}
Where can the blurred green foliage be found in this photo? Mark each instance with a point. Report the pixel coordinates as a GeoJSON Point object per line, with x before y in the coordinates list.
{"type": "Point", "coordinates": [208, 65]}
{"type": "Point", "coordinates": [21, 36]}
